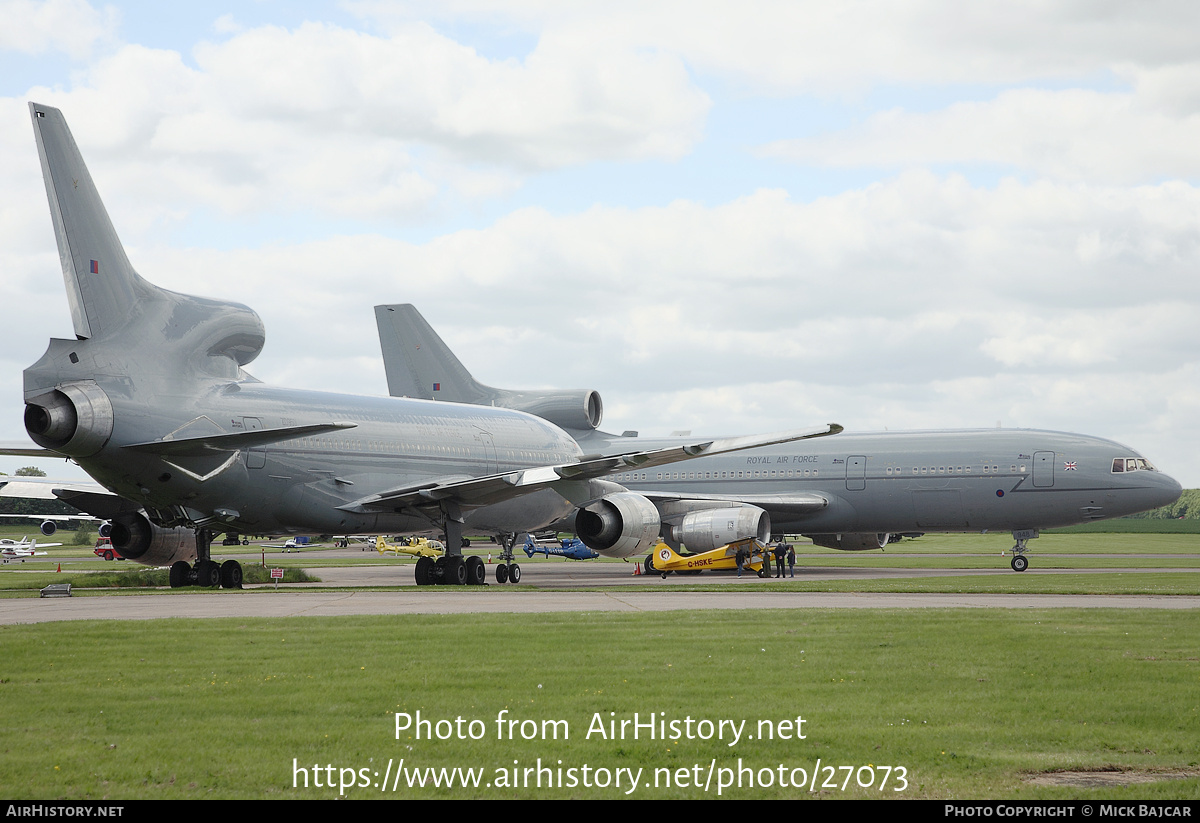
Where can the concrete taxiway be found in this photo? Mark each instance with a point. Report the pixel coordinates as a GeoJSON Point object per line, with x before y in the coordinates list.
{"type": "Point", "coordinates": [558, 584]}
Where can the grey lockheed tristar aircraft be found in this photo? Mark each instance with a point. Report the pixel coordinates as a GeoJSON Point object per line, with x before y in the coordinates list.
{"type": "Point", "coordinates": [151, 399]}
{"type": "Point", "coordinates": [850, 492]}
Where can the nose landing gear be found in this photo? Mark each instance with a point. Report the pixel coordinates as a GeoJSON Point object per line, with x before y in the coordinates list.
{"type": "Point", "coordinates": [1020, 562]}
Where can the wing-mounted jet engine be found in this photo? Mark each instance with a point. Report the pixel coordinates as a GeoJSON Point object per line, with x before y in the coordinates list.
{"type": "Point", "coordinates": [618, 525]}
{"type": "Point", "coordinates": [625, 523]}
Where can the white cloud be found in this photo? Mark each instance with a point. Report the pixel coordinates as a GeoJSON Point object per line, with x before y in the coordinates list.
{"type": "Point", "coordinates": [1077, 135]}
{"type": "Point", "coordinates": [70, 26]}
{"type": "Point", "coordinates": [822, 48]}
{"type": "Point", "coordinates": [362, 126]}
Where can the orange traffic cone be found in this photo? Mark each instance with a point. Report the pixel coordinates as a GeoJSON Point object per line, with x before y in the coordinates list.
{"type": "Point", "coordinates": [489, 558]}
{"type": "Point", "coordinates": [59, 569]}
{"type": "Point", "coordinates": [637, 569]}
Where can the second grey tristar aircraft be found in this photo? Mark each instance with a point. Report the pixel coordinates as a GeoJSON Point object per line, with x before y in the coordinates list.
{"type": "Point", "coordinates": [151, 399]}
{"type": "Point", "coordinates": [850, 492]}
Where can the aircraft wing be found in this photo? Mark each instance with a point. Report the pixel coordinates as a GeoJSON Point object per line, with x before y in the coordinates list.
{"type": "Point", "coordinates": [482, 491]}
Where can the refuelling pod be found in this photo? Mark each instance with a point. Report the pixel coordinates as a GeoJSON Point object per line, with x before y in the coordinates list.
{"type": "Point", "coordinates": [75, 419]}
{"type": "Point", "coordinates": [136, 538]}
{"type": "Point", "coordinates": [851, 542]}
{"type": "Point", "coordinates": [704, 531]}
{"type": "Point", "coordinates": [618, 525]}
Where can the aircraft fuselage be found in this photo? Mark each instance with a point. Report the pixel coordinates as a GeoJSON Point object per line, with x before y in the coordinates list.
{"type": "Point", "coordinates": [929, 481]}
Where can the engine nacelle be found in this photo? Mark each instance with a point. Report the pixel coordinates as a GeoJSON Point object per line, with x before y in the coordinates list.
{"type": "Point", "coordinates": [706, 530]}
{"type": "Point", "coordinates": [75, 419]}
{"type": "Point", "coordinates": [618, 525]}
{"type": "Point", "coordinates": [136, 538]}
{"type": "Point", "coordinates": [579, 409]}
{"type": "Point", "coordinates": [851, 542]}
{"type": "Point", "coordinates": [48, 527]}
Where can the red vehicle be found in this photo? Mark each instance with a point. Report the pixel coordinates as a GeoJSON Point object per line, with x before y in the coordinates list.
{"type": "Point", "coordinates": [105, 549]}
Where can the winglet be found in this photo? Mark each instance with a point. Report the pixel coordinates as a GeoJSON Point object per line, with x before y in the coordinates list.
{"type": "Point", "coordinates": [101, 285]}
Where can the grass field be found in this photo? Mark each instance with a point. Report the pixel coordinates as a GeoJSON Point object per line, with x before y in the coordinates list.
{"type": "Point", "coordinates": [968, 704]}
{"type": "Point", "coordinates": [943, 703]}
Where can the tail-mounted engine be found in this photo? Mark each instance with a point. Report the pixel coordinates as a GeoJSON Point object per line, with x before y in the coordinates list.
{"type": "Point", "coordinates": [75, 419]}
{"type": "Point", "coordinates": [579, 409]}
{"type": "Point", "coordinates": [618, 525]}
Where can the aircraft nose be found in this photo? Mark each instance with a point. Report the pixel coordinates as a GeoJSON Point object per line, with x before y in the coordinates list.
{"type": "Point", "coordinates": [1170, 489]}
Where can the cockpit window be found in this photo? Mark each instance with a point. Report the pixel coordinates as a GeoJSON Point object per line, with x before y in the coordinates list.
{"type": "Point", "coordinates": [1132, 464]}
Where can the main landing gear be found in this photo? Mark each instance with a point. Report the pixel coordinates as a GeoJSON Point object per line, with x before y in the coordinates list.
{"type": "Point", "coordinates": [207, 572]}
{"type": "Point", "coordinates": [453, 568]}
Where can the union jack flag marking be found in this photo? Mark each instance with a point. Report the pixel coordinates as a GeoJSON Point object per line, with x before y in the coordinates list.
{"type": "Point", "coordinates": [1070, 467]}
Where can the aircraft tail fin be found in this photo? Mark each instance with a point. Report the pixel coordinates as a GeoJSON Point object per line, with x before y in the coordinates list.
{"type": "Point", "coordinates": [419, 364]}
{"type": "Point", "coordinates": [102, 286]}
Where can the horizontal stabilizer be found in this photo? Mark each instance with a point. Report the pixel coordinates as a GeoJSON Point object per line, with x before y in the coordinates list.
{"type": "Point", "coordinates": [44, 488]}
{"type": "Point", "coordinates": [25, 449]}
{"type": "Point", "coordinates": [104, 505]}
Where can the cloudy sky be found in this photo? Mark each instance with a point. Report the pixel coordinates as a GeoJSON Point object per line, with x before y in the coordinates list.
{"type": "Point", "coordinates": [725, 217]}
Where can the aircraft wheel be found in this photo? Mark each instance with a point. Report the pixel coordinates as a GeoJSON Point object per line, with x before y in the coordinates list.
{"type": "Point", "coordinates": [763, 572]}
{"type": "Point", "coordinates": [424, 571]}
{"type": "Point", "coordinates": [664, 575]}
{"type": "Point", "coordinates": [245, 542]}
{"type": "Point", "coordinates": [476, 571]}
{"type": "Point", "coordinates": [1019, 563]}
{"type": "Point", "coordinates": [502, 574]}
{"type": "Point", "coordinates": [179, 574]}
{"type": "Point", "coordinates": [231, 575]}
{"type": "Point", "coordinates": [514, 573]}
{"type": "Point", "coordinates": [648, 565]}
{"type": "Point", "coordinates": [456, 571]}
{"type": "Point", "coordinates": [208, 574]}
